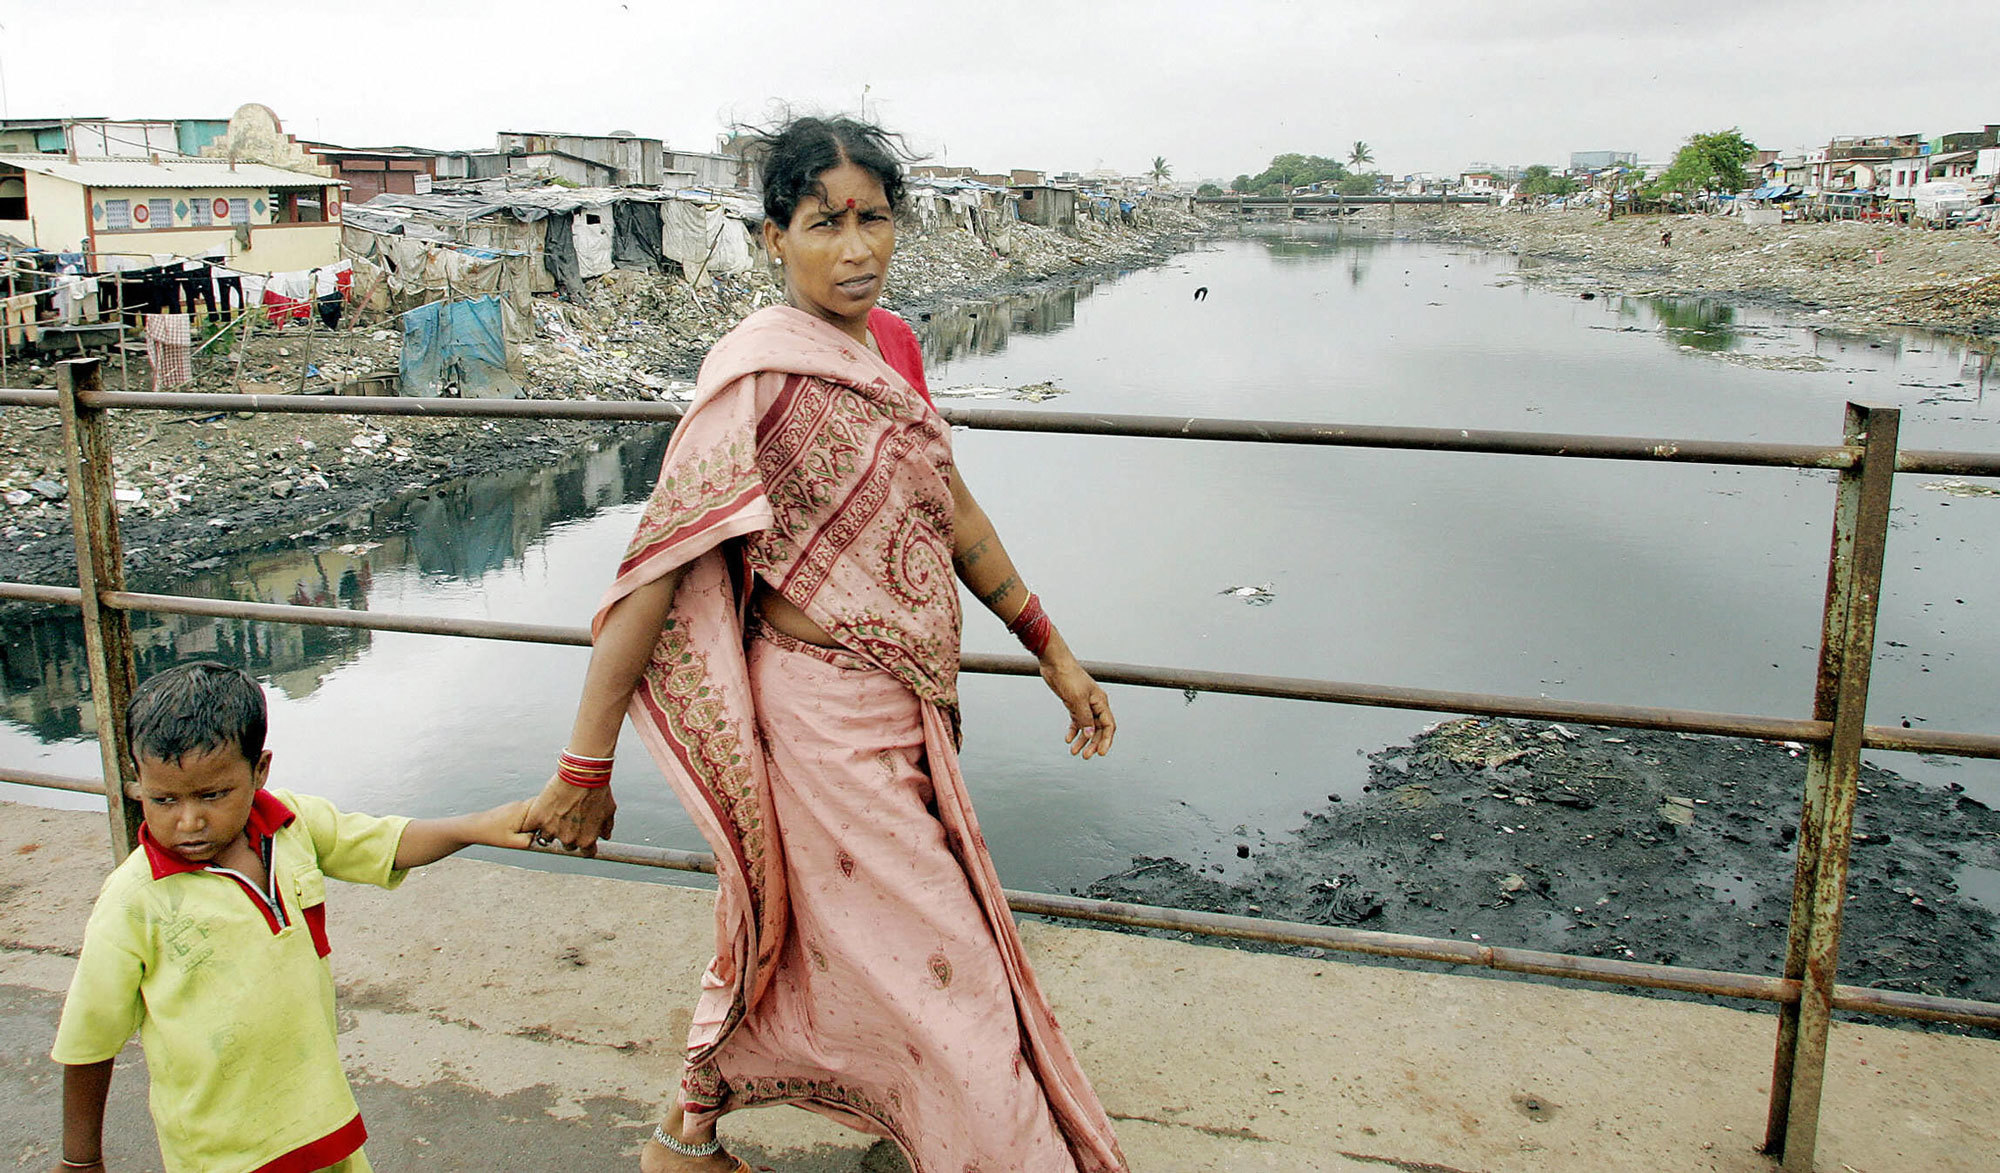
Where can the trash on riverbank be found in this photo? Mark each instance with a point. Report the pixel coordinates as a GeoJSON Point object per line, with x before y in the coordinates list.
{"type": "Point", "coordinates": [632, 336]}
{"type": "Point", "coordinates": [1863, 273]}
{"type": "Point", "coordinates": [1660, 847]}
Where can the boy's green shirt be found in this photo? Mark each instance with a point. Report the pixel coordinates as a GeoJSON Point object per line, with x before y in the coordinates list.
{"type": "Point", "coordinates": [232, 999]}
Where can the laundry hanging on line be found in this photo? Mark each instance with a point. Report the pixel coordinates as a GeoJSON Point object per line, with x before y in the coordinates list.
{"type": "Point", "coordinates": [170, 350]}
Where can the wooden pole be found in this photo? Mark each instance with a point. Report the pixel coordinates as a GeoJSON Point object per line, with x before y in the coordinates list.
{"type": "Point", "coordinates": [250, 316]}
{"type": "Point", "coordinates": [312, 319]}
{"type": "Point", "coordinates": [124, 360]}
{"type": "Point", "coordinates": [7, 337]}
{"type": "Point", "coordinates": [100, 567]}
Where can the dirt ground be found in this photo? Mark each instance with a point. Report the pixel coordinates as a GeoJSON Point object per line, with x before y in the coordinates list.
{"type": "Point", "coordinates": [208, 485]}
{"type": "Point", "coordinates": [1860, 275]}
{"type": "Point", "coordinates": [500, 1019]}
{"type": "Point", "coordinates": [1624, 844]}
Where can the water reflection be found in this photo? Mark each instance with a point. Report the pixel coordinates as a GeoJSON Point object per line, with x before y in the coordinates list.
{"type": "Point", "coordinates": [460, 532]}
{"type": "Point", "coordinates": [1678, 585]}
{"type": "Point", "coordinates": [1699, 322]}
{"type": "Point", "coordinates": [45, 684]}
{"type": "Point", "coordinates": [983, 327]}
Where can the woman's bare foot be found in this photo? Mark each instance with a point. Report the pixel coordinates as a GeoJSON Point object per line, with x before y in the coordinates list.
{"type": "Point", "coordinates": [658, 1158]}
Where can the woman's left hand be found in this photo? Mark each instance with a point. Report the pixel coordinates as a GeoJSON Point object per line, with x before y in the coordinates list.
{"type": "Point", "coordinates": [1091, 725]}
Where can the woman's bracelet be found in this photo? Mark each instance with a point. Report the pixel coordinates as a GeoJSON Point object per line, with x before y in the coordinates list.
{"type": "Point", "coordinates": [584, 771]}
{"type": "Point", "coordinates": [69, 1164]}
{"type": "Point", "coordinates": [1033, 627]}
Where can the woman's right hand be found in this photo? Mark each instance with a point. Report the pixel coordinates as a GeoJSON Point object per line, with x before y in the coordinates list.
{"type": "Point", "coordinates": [575, 816]}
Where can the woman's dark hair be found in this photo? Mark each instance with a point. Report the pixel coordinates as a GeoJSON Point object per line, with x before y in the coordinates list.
{"type": "Point", "coordinates": [803, 149]}
{"type": "Point", "coordinates": [195, 708]}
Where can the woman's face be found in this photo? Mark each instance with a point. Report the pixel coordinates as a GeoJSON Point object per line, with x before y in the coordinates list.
{"type": "Point", "coordinates": [835, 252]}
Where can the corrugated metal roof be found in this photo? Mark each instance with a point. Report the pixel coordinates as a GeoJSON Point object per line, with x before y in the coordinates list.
{"type": "Point", "coordinates": [168, 172]}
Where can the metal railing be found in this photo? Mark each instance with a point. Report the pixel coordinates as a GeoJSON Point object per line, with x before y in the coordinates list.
{"type": "Point", "coordinates": [1834, 733]}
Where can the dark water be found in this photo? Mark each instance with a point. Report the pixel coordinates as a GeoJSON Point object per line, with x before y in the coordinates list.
{"type": "Point", "coordinates": [1679, 586]}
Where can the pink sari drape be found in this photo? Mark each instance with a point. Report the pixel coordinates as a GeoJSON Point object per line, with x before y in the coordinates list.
{"type": "Point", "coordinates": [866, 964]}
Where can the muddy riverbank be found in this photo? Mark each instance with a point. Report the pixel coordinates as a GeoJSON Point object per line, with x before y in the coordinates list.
{"type": "Point", "coordinates": [200, 487]}
{"type": "Point", "coordinates": [1855, 274]}
{"type": "Point", "coordinates": [1623, 844]}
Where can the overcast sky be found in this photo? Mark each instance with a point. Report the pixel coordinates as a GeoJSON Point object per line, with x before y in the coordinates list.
{"type": "Point", "coordinates": [1216, 87]}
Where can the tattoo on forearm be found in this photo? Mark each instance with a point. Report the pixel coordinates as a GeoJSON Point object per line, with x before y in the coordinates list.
{"type": "Point", "coordinates": [992, 598]}
{"type": "Point", "coordinates": [973, 553]}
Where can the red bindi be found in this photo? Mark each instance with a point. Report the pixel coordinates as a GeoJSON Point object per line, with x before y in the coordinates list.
{"type": "Point", "coordinates": [850, 203]}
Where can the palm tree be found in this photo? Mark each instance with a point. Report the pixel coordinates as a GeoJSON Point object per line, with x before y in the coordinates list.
{"type": "Point", "coordinates": [1360, 154]}
{"type": "Point", "coordinates": [1161, 170]}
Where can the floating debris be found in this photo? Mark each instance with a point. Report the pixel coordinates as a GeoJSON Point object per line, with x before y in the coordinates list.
{"type": "Point", "coordinates": [1255, 596]}
{"type": "Point", "coordinates": [1959, 488]}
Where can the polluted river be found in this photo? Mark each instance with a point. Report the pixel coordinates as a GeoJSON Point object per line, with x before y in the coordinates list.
{"type": "Point", "coordinates": [1681, 586]}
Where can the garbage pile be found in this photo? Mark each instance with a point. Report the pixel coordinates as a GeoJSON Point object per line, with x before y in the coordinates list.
{"type": "Point", "coordinates": [637, 335]}
{"type": "Point", "coordinates": [1867, 273]}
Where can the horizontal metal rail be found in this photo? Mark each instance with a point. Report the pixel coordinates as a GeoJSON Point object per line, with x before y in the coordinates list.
{"type": "Point", "coordinates": [527, 633]}
{"type": "Point", "coordinates": [1429, 700]}
{"type": "Point", "coordinates": [1683, 451]}
{"type": "Point", "coordinates": [91, 786]}
{"type": "Point", "coordinates": [27, 592]}
{"type": "Point", "coordinates": [1805, 992]}
{"type": "Point", "coordinates": [1718, 983]}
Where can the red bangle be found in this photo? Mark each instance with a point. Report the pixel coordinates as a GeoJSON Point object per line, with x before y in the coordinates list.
{"type": "Point", "coordinates": [1033, 627]}
{"type": "Point", "coordinates": [586, 772]}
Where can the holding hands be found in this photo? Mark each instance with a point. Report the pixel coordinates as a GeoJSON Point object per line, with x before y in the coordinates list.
{"type": "Point", "coordinates": [574, 816]}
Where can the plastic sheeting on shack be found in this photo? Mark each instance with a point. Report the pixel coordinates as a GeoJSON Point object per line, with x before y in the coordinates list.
{"type": "Point", "coordinates": [458, 345]}
{"type": "Point", "coordinates": [635, 235]}
{"type": "Point", "coordinates": [591, 226]}
{"type": "Point", "coordinates": [703, 239]}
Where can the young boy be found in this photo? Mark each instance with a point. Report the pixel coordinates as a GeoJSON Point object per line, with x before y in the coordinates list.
{"type": "Point", "coordinates": [210, 940]}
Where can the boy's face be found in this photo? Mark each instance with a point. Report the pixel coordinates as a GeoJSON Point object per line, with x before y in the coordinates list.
{"type": "Point", "coordinates": [197, 807]}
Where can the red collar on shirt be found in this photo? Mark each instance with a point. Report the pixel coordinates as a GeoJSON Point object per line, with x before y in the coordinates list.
{"type": "Point", "coordinates": [267, 814]}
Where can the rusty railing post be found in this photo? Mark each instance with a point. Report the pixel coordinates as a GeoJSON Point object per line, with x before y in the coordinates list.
{"type": "Point", "coordinates": [100, 566]}
{"type": "Point", "coordinates": [1826, 816]}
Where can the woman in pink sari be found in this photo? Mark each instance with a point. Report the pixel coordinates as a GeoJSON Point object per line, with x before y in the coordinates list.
{"type": "Point", "coordinates": [784, 632]}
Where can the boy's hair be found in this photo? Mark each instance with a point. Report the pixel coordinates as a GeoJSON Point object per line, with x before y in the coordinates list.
{"type": "Point", "coordinates": [195, 708]}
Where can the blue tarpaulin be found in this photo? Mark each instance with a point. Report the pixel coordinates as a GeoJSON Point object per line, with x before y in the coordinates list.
{"type": "Point", "coordinates": [457, 345]}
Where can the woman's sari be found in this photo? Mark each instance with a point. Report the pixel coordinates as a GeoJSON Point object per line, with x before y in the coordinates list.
{"type": "Point", "coordinates": [866, 964]}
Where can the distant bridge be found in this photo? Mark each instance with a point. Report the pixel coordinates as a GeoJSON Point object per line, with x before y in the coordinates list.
{"type": "Point", "coordinates": [1339, 204]}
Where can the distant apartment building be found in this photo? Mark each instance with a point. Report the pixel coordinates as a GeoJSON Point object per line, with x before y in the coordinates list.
{"type": "Point", "coordinates": [1594, 161]}
{"type": "Point", "coordinates": [1858, 162]}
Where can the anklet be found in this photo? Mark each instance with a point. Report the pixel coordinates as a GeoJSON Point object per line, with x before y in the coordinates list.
{"type": "Point", "coordinates": [685, 1149]}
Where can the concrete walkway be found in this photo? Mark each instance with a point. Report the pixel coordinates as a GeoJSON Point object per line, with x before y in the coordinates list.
{"type": "Point", "coordinates": [501, 1019]}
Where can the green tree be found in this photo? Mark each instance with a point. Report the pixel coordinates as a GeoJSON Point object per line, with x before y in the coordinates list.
{"type": "Point", "coordinates": [1358, 183]}
{"type": "Point", "coordinates": [1208, 191]}
{"type": "Point", "coordinates": [1161, 169]}
{"type": "Point", "coordinates": [1714, 160]}
{"type": "Point", "coordinates": [1540, 179]}
{"type": "Point", "coordinates": [1240, 184]}
{"type": "Point", "coordinates": [1293, 171]}
{"type": "Point", "coordinates": [1359, 154]}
